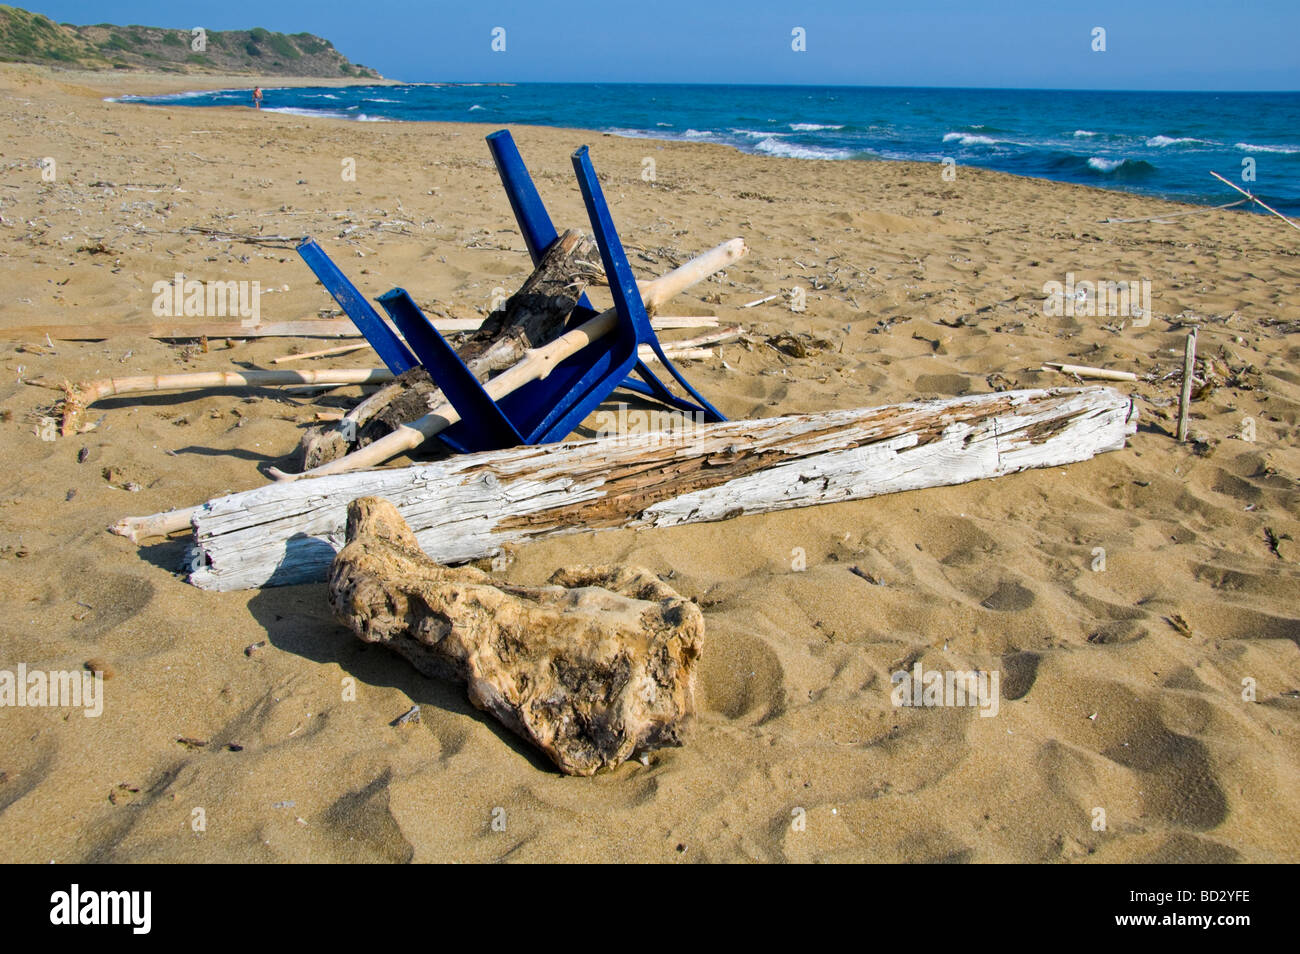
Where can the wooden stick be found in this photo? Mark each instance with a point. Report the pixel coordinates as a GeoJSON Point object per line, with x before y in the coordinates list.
{"type": "Point", "coordinates": [182, 329]}
{"type": "Point", "coordinates": [471, 505]}
{"type": "Point", "coordinates": [79, 397]}
{"type": "Point", "coordinates": [136, 529]}
{"type": "Point", "coordinates": [323, 353]}
{"type": "Point", "coordinates": [721, 336]}
{"type": "Point", "coordinates": [92, 391]}
{"type": "Point", "coordinates": [692, 349]}
{"type": "Point", "coordinates": [646, 353]}
{"type": "Point", "coordinates": [197, 328]}
{"type": "Point", "coordinates": [1253, 199]}
{"type": "Point", "coordinates": [538, 363]}
{"type": "Point", "coordinates": [669, 322]}
{"type": "Point", "coordinates": [1184, 403]}
{"type": "Point", "coordinates": [1083, 371]}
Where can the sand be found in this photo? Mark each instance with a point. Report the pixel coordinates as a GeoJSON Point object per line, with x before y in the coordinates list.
{"type": "Point", "coordinates": [1119, 736]}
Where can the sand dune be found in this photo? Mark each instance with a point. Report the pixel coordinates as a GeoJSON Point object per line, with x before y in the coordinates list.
{"type": "Point", "coordinates": [1121, 687]}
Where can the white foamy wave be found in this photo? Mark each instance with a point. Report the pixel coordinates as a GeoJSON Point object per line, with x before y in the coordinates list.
{"type": "Point", "coordinates": [1104, 165]}
{"type": "Point", "coordinates": [629, 133]}
{"type": "Point", "coordinates": [756, 134]}
{"type": "Point", "coordinates": [1247, 147]}
{"type": "Point", "coordinates": [474, 107]}
{"type": "Point", "coordinates": [697, 133]}
{"type": "Point", "coordinates": [1081, 133]}
{"type": "Point", "coordinates": [1159, 142]}
{"type": "Point", "coordinates": [173, 97]}
{"type": "Point", "coordinates": [196, 93]}
{"type": "Point", "coordinates": [812, 127]}
{"type": "Point", "coordinates": [300, 111]}
{"type": "Point", "coordinates": [776, 147]}
{"type": "Point", "coordinates": [325, 114]}
{"type": "Point", "coordinates": [969, 139]}
{"type": "Point", "coordinates": [663, 124]}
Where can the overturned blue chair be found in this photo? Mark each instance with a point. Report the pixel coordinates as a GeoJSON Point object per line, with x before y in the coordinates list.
{"type": "Point", "coordinates": [549, 409]}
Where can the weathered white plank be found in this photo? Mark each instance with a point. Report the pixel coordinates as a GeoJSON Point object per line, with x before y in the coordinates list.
{"type": "Point", "coordinates": [469, 506]}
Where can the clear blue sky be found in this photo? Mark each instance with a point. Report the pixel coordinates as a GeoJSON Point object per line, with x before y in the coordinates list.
{"type": "Point", "coordinates": [1151, 44]}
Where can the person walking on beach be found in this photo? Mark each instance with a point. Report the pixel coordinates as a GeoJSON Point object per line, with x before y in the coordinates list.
{"type": "Point", "coordinates": [257, 97]}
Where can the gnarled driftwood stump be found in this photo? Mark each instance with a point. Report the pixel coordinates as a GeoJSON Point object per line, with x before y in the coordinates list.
{"type": "Point", "coordinates": [591, 669]}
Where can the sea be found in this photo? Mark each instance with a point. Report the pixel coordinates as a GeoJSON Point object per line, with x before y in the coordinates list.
{"type": "Point", "coordinates": [1154, 143]}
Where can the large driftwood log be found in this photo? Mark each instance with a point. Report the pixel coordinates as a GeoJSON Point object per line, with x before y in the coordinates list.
{"type": "Point", "coordinates": [592, 669]}
{"type": "Point", "coordinates": [532, 317]}
{"type": "Point", "coordinates": [471, 506]}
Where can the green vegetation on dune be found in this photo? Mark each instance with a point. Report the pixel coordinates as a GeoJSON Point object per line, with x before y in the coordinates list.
{"type": "Point", "coordinates": [27, 37]}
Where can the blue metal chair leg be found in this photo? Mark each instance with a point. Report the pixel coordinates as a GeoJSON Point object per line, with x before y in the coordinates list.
{"type": "Point", "coordinates": [387, 345]}
{"type": "Point", "coordinates": [488, 427]}
{"type": "Point", "coordinates": [622, 283]}
{"type": "Point", "coordinates": [539, 232]}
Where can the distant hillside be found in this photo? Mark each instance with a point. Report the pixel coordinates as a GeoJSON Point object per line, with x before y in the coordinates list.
{"type": "Point", "coordinates": [31, 38]}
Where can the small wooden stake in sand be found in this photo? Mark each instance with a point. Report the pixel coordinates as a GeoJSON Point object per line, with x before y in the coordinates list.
{"type": "Point", "coordinates": [1184, 404]}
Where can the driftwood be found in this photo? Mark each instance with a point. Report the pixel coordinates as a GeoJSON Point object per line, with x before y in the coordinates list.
{"type": "Point", "coordinates": [592, 670]}
{"type": "Point", "coordinates": [532, 317]}
{"type": "Point", "coordinates": [1185, 398]}
{"type": "Point", "coordinates": [536, 364]}
{"type": "Point", "coordinates": [1083, 371]}
{"type": "Point", "coordinates": [194, 328]}
{"type": "Point", "coordinates": [187, 328]}
{"type": "Point", "coordinates": [696, 347]}
{"type": "Point", "coordinates": [78, 397]}
{"type": "Point", "coordinates": [473, 505]}
{"type": "Point", "coordinates": [322, 353]}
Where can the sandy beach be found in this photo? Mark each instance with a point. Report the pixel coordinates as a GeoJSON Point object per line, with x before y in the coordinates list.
{"type": "Point", "coordinates": [1156, 689]}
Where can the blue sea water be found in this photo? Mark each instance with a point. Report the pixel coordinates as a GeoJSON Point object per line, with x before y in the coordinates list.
{"type": "Point", "coordinates": [1155, 143]}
